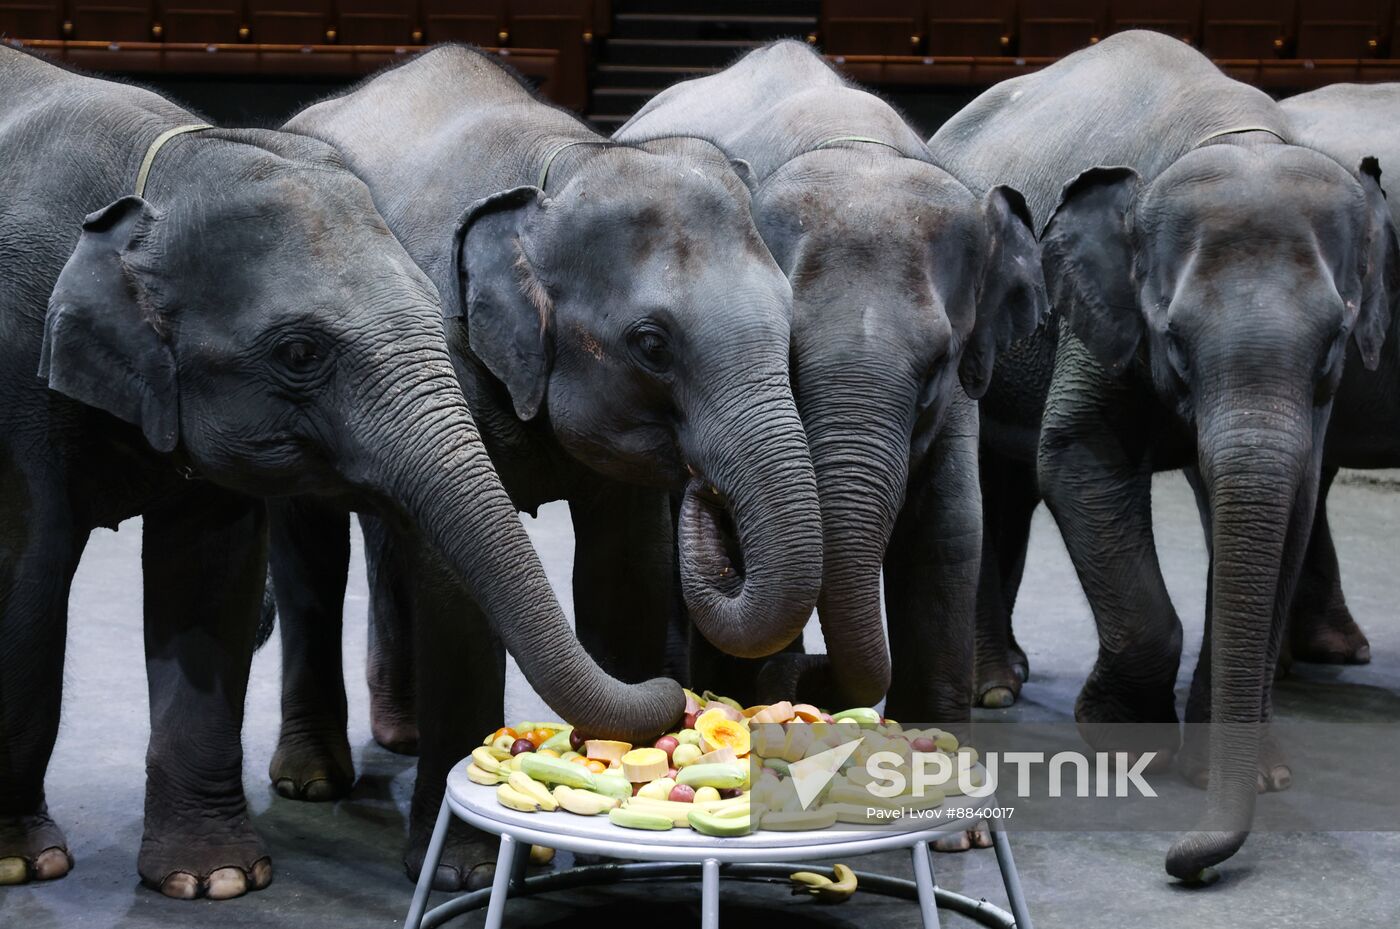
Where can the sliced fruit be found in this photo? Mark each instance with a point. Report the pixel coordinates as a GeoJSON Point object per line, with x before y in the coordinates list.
{"type": "Point", "coordinates": [629, 818]}
{"type": "Point", "coordinates": [779, 712]}
{"type": "Point", "coordinates": [643, 765]}
{"type": "Point", "coordinates": [534, 790]}
{"type": "Point", "coordinates": [806, 712]}
{"type": "Point", "coordinates": [548, 770]}
{"type": "Point", "coordinates": [719, 756]}
{"type": "Point", "coordinates": [710, 696]}
{"type": "Point", "coordinates": [719, 776]}
{"type": "Point", "coordinates": [583, 802]}
{"type": "Point", "coordinates": [509, 797]}
{"type": "Point", "coordinates": [708, 823]}
{"type": "Point", "coordinates": [606, 750]}
{"type": "Point", "coordinates": [720, 731]}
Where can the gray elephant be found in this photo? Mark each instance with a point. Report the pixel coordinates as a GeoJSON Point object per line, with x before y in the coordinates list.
{"type": "Point", "coordinates": [905, 287]}
{"type": "Point", "coordinates": [620, 332]}
{"type": "Point", "coordinates": [1208, 279]}
{"type": "Point", "coordinates": [242, 324]}
{"type": "Point", "coordinates": [1348, 122]}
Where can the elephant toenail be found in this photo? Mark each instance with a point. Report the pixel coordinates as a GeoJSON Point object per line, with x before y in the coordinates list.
{"type": "Point", "coordinates": [1282, 778]}
{"type": "Point", "coordinates": [481, 876]}
{"type": "Point", "coordinates": [261, 873]}
{"type": "Point", "coordinates": [53, 863]}
{"type": "Point", "coordinates": [286, 787]}
{"type": "Point", "coordinates": [446, 877]}
{"type": "Point", "coordinates": [319, 791]}
{"type": "Point", "coordinates": [998, 698]}
{"type": "Point", "coordinates": [227, 883]}
{"type": "Point", "coordinates": [13, 871]}
{"type": "Point", "coordinates": [1362, 655]}
{"type": "Point", "coordinates": [180, 885]}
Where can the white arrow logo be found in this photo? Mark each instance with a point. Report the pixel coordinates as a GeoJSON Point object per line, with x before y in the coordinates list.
{"type": "Point", "coordinates": [811, 775]}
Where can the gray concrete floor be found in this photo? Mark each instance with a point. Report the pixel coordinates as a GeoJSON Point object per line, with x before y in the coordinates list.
{"type": "Point", "coordinates": [338, 864]}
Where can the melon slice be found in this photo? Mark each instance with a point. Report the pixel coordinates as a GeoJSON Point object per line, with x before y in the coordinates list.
{"type": "Point", "coordinates": [644, 765]}
{"type": "Point", "coordinates": [606, 750]}
{"type": "Point", "coordinates": [718, 756]}
{"type": "Point", "coordinates": [807, 713]}
{"type": "Point", "coordinates": [718, 730]}
{"type": "Point", "coordinates": [779, 712]}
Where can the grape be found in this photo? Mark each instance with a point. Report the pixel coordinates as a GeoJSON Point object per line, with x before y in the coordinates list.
{"type": "Point", "coordinates": [576, 740]}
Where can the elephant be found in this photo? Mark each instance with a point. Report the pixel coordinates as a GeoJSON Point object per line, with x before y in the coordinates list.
{"type": "Point", "coordinates": [1207, 279]}
{"type": "Point", "coordinates": [220, 319]}
{"type": "Point", "coordinates": [620, 332]}
{"type": "Point", "coordinates": [905, 285]}
{"type": "Point", "coordinates": [1348, 122]}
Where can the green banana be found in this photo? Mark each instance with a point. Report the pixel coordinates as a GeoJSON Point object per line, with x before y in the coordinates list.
{"type": "Point", "coordinates": [821, 818]}
{"type": "Point", "coordinates": [864, 715]}
{"type": "Point", "coordinates": [559, 742]}
{"type": "Point", "coordinates": [718, 776]}
{"type": "Point", "coordinates": [556, 771]}
{"type": "Point", "coordinates": [629, 818]}
{"type": "Point", "coordinates": [533, 789]}
{"type": "Point", "coordinates": [707, 823]}
{"type": "Point", "coordinates": [612, 785]}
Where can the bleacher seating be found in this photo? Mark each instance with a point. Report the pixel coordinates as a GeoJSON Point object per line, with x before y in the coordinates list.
{"type": "Point", "coordinates": [481, 22]}
{"type": "Point", "coordinates": [216, 21]}
{"type": "Point", "coordinates": [872, 27]}
{"type": "Point", "coordinates": [32, 19]}
{"type": "Point", "coordinates": [1341, 28]}
{"type": "Point", "coordinates": [971, 27]}
{"type": "Point", "coordinates": [1057, 27]}
{"type": "Point", "coordinates": [1247, 28]}
{"type": "Point", "coordinates": [1180, 19]}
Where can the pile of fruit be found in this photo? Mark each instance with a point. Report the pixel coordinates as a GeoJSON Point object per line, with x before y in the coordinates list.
{"type": "Point", "coordinates": [699, 776]}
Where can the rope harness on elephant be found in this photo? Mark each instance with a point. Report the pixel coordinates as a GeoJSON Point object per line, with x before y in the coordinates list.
{"type": "Point", "coordinates": [549, 160]}
{"type": "Point", "coordinates": [1225, 132]}
{"type": "Point", "coordinates": [156, 146]}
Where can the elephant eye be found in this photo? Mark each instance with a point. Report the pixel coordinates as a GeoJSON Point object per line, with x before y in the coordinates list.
{"type": "Point", "coordinates": [651, 346]}
{"type": "Point", "coordinates": [298, 354]}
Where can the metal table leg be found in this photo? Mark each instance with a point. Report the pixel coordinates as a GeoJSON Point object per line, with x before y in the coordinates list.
{"type": "Point", "coordinates": [500, 885]}
{"type": "Point", "coordinates": [430, 863]}
{"type": "Point", "coordinates": [709, 894]}
{"type": "Point", "coordinates": [1010, 877]}
{"type": "Point", "coordinates": [923, 879]}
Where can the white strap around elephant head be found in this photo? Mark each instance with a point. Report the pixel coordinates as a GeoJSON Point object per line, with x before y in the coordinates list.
{"type": "Point", "coordinates": [1236, 129]}
{"type": "Point", "coordinates": [160, 141]}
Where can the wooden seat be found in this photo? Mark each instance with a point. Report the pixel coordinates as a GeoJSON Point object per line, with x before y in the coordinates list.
{"type": "Point", "coordinates": [1059, 27]}
{"type": "Point", "coordinates": [970, 27]}
{"type": "Point", "coordinates": [1247, 28]}
{"type": "Point", "coordinates": [872, 27]}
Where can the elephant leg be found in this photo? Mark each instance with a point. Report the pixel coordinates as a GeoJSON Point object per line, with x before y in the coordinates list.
{"type": "Point", "coordinates": [310, 556]}
{"type": "Point", "coordinates": [204, 561]}
{"type": "Point", "coordinates": [1009, 499]}
{"type": "Point", "coordinates": [1095, 473]}
{"type": "Point", "coordinates": [40, 545]}
{"type": "Point", "coordinates": [389, 666]}
{"type": "Point", "coordinates": [461, 697]}
{"type": "Point", "coordinates": [1321, 628]}
{"type": "Point", "coordinates": [624, 594]}
{"type": "Point", "coordinates": [1273, 768]}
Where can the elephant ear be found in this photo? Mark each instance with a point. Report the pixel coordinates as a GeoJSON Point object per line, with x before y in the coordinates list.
{"type": "Point", "coordinates": [1011, 299]}
{"type": "Point", "coordinates": [1380, 275]}
{"type": "Point", "coordinates": [1087, 253]}
{"type": "Point", "coordinates": [508, 310]}
{"type": "Point", "coordinates": [104, 343]}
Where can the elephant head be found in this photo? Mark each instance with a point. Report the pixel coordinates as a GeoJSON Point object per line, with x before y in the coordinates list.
{"type": "Point", "coordinates": [905, 287]}
{"type": "Point", "coordinates": [263, 325]}
{"type": "Point", "coordinates": [1233, 283]}
{"type": "Point", "coordinates": [635, 307]}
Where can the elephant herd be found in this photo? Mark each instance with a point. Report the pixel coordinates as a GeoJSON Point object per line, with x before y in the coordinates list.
{"type": "Point", "coordinates": [775, 351]}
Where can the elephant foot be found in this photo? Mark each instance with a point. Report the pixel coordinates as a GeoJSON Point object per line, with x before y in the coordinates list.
{"type": "Point", "coordinates": [1272, 772]}
{"type": "Point", "coordinates": [394, 727]}
{"type": "Point", "coordinates": [980, 837]}
{"type": "Point", "coordinates": [207, 861]}
{"type": "Point", "coordinates": [999, 683]}
{"type": "Point", "coordinates": [32, 848]}
{"type": "Point", "coordinates": [1020, 664]}
{"type": "Point", "coordinates": [314, 766]}
{"type": "Point", "coordinates": [1143, 721]}
{"type": "Point", "coordinates": [1329, 640]}
{"type": "Point", "coordinates": [468, 858]}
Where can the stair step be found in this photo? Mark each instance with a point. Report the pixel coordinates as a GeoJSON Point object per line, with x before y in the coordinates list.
{"type": "Point", "coordinates": [610, 75]}
{"type": "Point", "coordinates": [763, 8]}
{"type": "Point", "coordinates": [675, 51]}
{"type": "Point", "coordinates": [710, 26]}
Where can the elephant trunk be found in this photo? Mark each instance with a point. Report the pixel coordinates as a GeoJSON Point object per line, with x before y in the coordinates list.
{"type": "Point", "coordinates": [861, 455]}
{"type": "Point", "coordinates": [749, 537]}
{"type": "Point", "coordinates": [436, 477]}
{"type": "Point", "coordinates": [1254, 463]}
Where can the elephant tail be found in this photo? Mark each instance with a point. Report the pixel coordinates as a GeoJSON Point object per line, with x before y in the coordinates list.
{"type": "Point", "coordinates": [267, 615]}
{"type": "Point", "coordinates": [1195, 851]}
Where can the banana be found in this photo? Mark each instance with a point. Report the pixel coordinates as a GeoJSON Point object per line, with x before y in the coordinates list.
{"type": "Point", "coordinates": [513, 799]}
{"type": "Point", "coordinates": [612, 785]}
{"type": "Point", "coordinates": [533, 789]}
{"type": "Point", "coordinates": [556, 771]}
{"type": "Point", "coordinates": [821, 818]}
{"type": "Point", "coordinates": [484, 760]}
{"type": "Point", "coordinates": [674, 810]}
{"type": "Point", "coordinates": [583, 802]}
{"type": "Point", "coordinates": [559, 742]}
{"type": "Point", "coordinates": [859, 796]}
{"type": "Point", "coordinates": [707, 823]}
{"type": "Point", "coordinates": [478, 775]}
{"type": "Point", "coordinates": [809, 881]}
{"type": "Point", "coordinates": [824, 888]}
{"type": "Point", "coordinates": [639, 819]}
{"type": "Point", "coordinates": [719, 776]}
{"type": "Point", "coordinates": [864, 715]}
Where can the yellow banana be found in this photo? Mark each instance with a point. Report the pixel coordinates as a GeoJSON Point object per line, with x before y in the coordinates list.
{"type": "Point", "coordinates": [478, 775]}
{"type": "Point", "coordinates": [583, 802]}
{"type": "Point", "coordinates": [533, 789]}
{"type": "Point", "coordinates": [482, 757]}
{"type": "Point", "coordinates": [809, 881]}
{"type": "Point", "coordinates": [839, 890]}
{"type": "Point", "coordinates": [513, 799]}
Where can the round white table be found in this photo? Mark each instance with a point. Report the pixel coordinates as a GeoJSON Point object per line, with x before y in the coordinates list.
{"type": "Point", "coordinates": [677, 852]}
